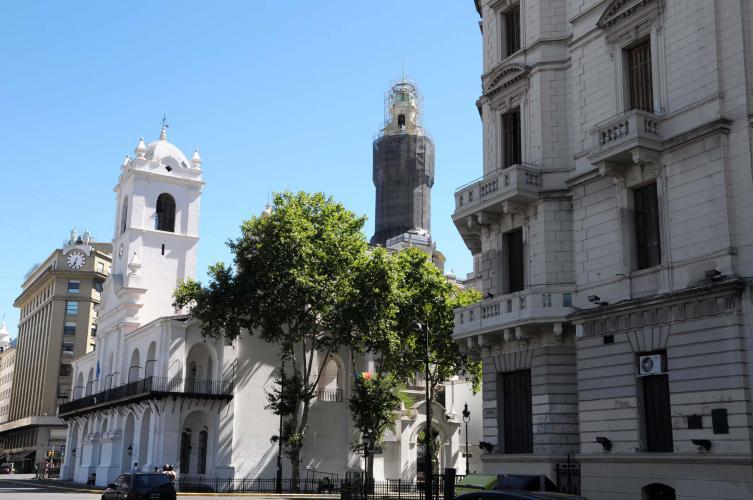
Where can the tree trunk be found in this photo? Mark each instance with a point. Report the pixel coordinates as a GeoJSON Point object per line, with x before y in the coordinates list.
{"type": "Point", "coordinates": [295, 452]}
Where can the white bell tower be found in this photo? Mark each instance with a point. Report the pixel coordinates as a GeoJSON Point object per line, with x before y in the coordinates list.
{"type": "Point", "coordinates": [156, 233]}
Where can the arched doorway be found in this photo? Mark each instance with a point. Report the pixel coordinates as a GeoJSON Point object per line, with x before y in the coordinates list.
{"type": "Point", "coordinates": [126, 462]}
{"type": "Point", "coordinates": [196, 450]}
{"type": "Point", "coordinates": [421, 454]}
{"type": "Point", "coordinates": [150, 360]}
{"type": "Point", "coordinates": [199, 369]}
{"type": "Point", "coordinates": [144, 438]}
{"type": "Point", "coordinates": [330, 382]}
{"type": "Point", "coordinates": [134, 368]}
{"type": "Point", "coordinates": [657, 491]}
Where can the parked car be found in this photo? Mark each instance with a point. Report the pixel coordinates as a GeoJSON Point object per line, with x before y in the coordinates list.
{"type": "Point", "coordinates": [140, 486]}
{"type": "Point", "coordinates": [517, 495]}
{"type": "Point", "coordinates": [516, 483]}
{"type": "Point", "coordinates": [7, 468]}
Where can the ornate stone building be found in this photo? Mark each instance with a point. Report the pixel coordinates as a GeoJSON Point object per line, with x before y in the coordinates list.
{"type": "Point", "coordinates": [615, 239]}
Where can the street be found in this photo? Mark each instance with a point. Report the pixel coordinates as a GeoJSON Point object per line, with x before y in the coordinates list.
{"type": "Point", "coordinates": [23, 487]}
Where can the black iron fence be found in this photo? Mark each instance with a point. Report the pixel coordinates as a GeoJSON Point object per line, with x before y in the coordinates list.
{"type": "Point", "coordinates": [146, 386]}
{"type": "Point", "coordinates": [199, 484]}
{"type": "Point", "coordinates": [568, 476]}
{"type": "Point", "coordinates": [357, 487]}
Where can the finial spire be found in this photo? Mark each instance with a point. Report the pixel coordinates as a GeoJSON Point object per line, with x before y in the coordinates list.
{"type": "Point", "coordinates": [163, 133]}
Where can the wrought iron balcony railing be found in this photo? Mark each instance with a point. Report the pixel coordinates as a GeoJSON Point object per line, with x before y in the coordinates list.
{"type": "Point", "coordinates": [147, 388]}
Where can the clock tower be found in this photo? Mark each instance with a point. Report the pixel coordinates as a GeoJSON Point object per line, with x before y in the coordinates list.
{"type": "Point", "coordinates": [156, 234]}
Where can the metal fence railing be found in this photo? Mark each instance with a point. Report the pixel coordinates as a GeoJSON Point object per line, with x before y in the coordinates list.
{"type": "Point", "coordinates": [149, 385]}
{"type": "Point", "coordinates": [199, 484]}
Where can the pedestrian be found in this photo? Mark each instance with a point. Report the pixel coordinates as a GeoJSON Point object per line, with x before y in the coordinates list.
{"type": "Point", "coordinates": [170, 472]}
{"type": "Point", "coordinates": [135, 467]}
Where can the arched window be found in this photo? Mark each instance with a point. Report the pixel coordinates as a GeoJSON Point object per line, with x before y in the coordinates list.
{"type": "Point", "coordinates": [124, 216]}
{"type": "Point", "coordinates": [401, 121]}
{"type": "Point", "coordinates": [165, 220]}
{"type": "Point", "coordinates": [657, 491]}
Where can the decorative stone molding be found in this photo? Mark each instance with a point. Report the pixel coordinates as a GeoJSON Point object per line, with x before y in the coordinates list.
{"type": "Point", "coordinates": [511, 361]}
{"type": "Point", "coordinates": [623, 11]}
{"type": "Point", "coordinates": [643, 318]}
{"type": "Point", "coordinates": [503, 77]}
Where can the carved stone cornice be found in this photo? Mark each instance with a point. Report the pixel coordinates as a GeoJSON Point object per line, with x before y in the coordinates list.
{"type": "Point", "coordinates": [659, 310]}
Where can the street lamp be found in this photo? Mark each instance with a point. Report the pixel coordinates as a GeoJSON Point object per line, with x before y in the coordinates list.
{"type": "Point", "coordinates": [129, 450]}
{"type": "Point", "coordinates": [278, 482]}
{"type": "Point", "coordinates": [466, 419]}
{"type": "Point", "coordinates": [427, 435]}
{"type": "Point", "coordinates": [73, 452]}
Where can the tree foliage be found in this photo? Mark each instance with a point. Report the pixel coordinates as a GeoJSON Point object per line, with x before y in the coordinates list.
{"type": "Point", "coordinates": [292, 284]}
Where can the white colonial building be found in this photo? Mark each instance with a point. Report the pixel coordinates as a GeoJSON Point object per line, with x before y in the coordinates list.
{"type": "Point", "coordinates": [156, 392]}
{"type": "Point", "coordinates": [614, 229]}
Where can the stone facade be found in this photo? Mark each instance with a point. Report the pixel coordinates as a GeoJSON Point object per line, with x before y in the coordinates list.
{"type": "Point", "coordinates": [632, 189]}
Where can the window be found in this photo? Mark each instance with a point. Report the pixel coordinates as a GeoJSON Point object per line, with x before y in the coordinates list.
{"type": "Point", "coordinates": [648, 243]}
{"type": "Point", "coordinates": [511, 138]}
{"type": "Point", "coordinates": [94, 331]}
{"type": "Point", "coordinates": [640, 85]}
{"type": "Point", "coordinates": [71, 307]}
{"type": "Point", "coordinates": [165, 220]}
{"type": "Point", "coordinates": [66, 370]}
{"type": "Point", "coordinates": [69, 328]}
{"type": "Point", "coordinates": [401, 121]}
{"type": "Point", "coordinates": [74, 286]}
{"type": "Point", "coordinates": [516, 411]}
{"type": "Point", "coordinates": [101, 267]}
{"type": "Point", "coordinates": [68, 348]}
{"type": "Point", "coordinates": [515, 261]}
{"type": "Point", "coordinates": [97, 286]}
{"type": "Point", "coordinates": [657, 417]}
{"type": "Point", "coordinates": [124, 216]}
{"type": "Point", "coordinates": [511, 22]}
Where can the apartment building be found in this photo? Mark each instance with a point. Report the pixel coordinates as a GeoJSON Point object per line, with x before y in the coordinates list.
{"type": "Point", "coordinates": [56, 326]}
{"type": "Point", "coordinates": [613, 230]}
{"type": "Point", "coordinates": [7, 362]}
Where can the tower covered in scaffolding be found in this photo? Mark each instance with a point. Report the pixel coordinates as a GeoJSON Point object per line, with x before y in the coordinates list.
{"type": "Point", "coordinates": [403, 171]}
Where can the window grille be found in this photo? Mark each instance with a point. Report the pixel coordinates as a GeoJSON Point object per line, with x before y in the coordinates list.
{"type": "Point", "coordinates": [639, 77]}
{"type": "Point", "coordinates": [511, 138]}
{"type": "Point", "coordinates": [648, 242]}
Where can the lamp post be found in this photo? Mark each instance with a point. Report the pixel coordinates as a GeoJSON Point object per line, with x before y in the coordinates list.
{"type": "Point", "coordinates": [427, 435]}
{"type": "Point", "coordinates": [278, 482]}
{"type": "Point", "coordinates": [466, 419]}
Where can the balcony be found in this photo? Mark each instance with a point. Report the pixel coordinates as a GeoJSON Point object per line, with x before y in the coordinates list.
{"type": "Point", "coordinates": [506, 312]}
{"type": "Point", "coordinates": [147, 388]}
{"type": "Point", "coordinates": [498, 192]}
{"type": "Point", "coordinates": [518, 183]}
{"type": "Point", "coordinates": [630, 137]}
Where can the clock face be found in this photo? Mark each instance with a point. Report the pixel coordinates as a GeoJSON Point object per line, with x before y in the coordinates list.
{"type": "Point", "coordinates": [76, 260]}
{"type": "Point", "coordinates": [120, 250]}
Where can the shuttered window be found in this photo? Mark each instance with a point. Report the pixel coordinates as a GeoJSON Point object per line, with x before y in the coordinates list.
{"type": "Point", "coordinates": [639, 77]}
{"type": "Point", "coordinates": [511, 138]}
{"type": "Point", "coordinates": [647, 226]}
{"type": "Point", "coordinates": [512, 31]}
{"type": "Point", "coordinates": [515, 260]}
{"type": "Point", "coordinates": [517, 419]}
{"type": "Point", "coordinates": [657, 416]}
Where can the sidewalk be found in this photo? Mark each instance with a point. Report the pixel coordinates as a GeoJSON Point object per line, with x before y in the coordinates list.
{"type": "Point", "coordinates": [82, 488]}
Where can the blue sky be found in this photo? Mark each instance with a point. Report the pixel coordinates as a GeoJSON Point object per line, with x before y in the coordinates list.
{"type": "Point", "coordinates": [277, 95]}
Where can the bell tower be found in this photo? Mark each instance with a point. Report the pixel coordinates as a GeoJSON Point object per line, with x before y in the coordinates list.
{"type": "Point", "coordinates": [156, 233]}
{"type": "Point", "coordinates": [403, 169]}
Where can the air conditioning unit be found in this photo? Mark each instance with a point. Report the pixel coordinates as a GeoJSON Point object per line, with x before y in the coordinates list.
{"type": "Point", "coordinates": [650, 364]}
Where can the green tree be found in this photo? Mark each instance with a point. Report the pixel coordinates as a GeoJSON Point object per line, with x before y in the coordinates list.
{"type": "Point", "coordinates": [291, 284]}
{"type": "Point", "coordinates": [398, 292]}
